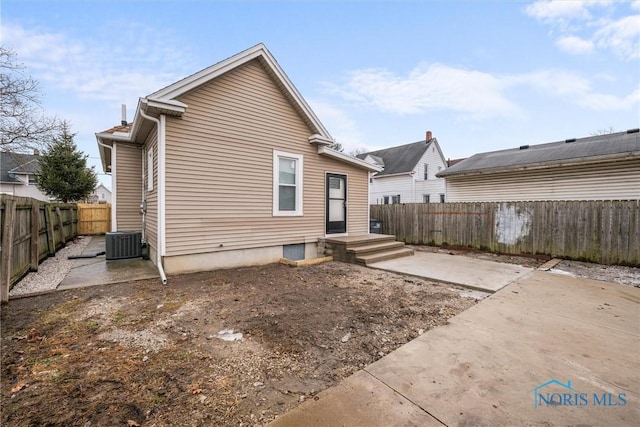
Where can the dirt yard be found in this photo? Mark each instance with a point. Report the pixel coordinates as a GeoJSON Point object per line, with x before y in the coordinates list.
{"type": "Point", "coordinates": [145, 354]}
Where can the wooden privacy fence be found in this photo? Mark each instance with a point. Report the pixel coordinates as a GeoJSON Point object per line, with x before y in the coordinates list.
{"type": "Point", "coordinates": [604, 232]}
{"type": "Point", "coordinates": [94, 218]}
{"type": "Point", "coordinates": [30, 231]}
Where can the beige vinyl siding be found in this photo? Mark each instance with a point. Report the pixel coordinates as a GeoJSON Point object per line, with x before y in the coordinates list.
{"type": "Point", "coordinates": [151, 218]}
{"type": "Point", "coordinates": [219, 174]}
{"type": "Point", "coordinates": [128, 187]}
{"type": "Point", "coordinates": [613, 181]}
{"type": "Point", "coordinates": [357, 202]}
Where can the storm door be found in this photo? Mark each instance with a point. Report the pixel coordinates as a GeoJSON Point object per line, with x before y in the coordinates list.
{"type": "Point", "coordinates": [336, 203]}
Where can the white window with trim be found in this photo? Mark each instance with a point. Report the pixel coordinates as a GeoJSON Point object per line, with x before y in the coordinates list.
{"type": "Point", "coordinates": [287, 183]}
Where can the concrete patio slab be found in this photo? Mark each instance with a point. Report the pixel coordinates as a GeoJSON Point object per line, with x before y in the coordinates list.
{"type": "Point", "coordinates": [99, 271]}
{"type": "Point", "coordinates": [482, 275]}
{"type": "Point", "coordinates": [360, 400]}
{"type": "Point", "coordinates": [546, 350]}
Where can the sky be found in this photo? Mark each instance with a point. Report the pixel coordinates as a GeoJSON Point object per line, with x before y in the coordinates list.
{"type": "Point", "coordinates": [481, 75]}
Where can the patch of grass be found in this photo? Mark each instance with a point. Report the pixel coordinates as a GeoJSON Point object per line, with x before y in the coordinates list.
{"type": "Point", "coordinates": [120, 317]}
{"type": "Point", "coordinates": [61, 312]}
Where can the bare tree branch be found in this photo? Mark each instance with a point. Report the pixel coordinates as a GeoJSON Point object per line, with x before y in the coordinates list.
{"type": "Point", "coordinates": [603, 131]}
{"type": "Point", "coordinates": [23, 124]}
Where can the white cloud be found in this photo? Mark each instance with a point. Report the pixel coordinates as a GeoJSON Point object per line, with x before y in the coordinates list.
{"type": "Point", "coordinates": [436, 87]}
{"type": "Point", "coordinates": [575, 89]}
{"type": "Point", "coordinates": [473, 94]}
{"type": "Point", "coordinates": [621, 36]}
{"type": "Point", "coordinates": [98, 68]}
{"type": "Point", "coordinates": [341, 126]}
{"type": "Point", "coordinates": [559, 11]}
{"type": "Point", "coordinates": [575, 45]}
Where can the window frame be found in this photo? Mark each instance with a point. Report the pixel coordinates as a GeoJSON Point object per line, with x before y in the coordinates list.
{"type": "Point", "coordinates": [426, 171]}
{"type": "Point", "coordinates": [299, 170]}
{"type": "Point", "coordinates": [426, 198]}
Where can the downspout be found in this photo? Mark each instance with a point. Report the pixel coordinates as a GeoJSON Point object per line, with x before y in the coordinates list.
{"type": "Point", "coordinates": [113, 201]}
{"type": "Point", "coordinates": [159, 231]}
{"type": "Point", "coordinates": [143, 206]}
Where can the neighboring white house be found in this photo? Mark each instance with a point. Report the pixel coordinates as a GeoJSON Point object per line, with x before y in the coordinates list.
{"type": "Point", "coordinates": [17, 175]}
{"type": "Point", "coordinates": [409, 174]}
{"type": "Point", "coordinates": [101, 194]}
{"type": "Point", "coordinates": [602, 167]}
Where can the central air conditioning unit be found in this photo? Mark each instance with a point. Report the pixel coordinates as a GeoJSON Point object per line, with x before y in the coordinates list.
{"type": "Point", "coordinates": [123, 245]}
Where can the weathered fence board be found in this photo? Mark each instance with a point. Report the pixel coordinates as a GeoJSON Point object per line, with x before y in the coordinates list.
{"type": "Point", "coordinates": [606, 232]}
{"type": "Point", "coordinates": [94, 218]}
{"type": "Point", "coordinates": [30, 232]}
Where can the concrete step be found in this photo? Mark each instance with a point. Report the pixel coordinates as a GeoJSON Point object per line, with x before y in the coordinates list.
{"type": "Point", "coordinates": [384, 256]}
{"type": "Point", "coordinates": [375, 248]}
{"type": "Point", "coordinates": [368, 239]}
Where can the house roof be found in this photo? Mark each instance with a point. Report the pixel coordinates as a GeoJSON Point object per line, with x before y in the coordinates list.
{"type": "Point", "coordinates": [452, 162]}
{"type": "Point", "coordinates": [17, 163]}
{"type": "Point", "coordinates": [401, 159]}
{"type": "Point", "coordinates": [103, 187]}
{"type": "Point", "coordinates": [164, 101]}
{"type": "Point", "coordinates": [593, 149]}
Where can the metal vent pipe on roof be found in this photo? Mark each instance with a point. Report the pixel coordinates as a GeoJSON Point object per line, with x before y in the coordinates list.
{"type": "Point", "coordinates": [123, 122]}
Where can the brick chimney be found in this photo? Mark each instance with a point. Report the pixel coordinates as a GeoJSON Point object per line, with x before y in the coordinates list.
{"type": "Point", "coordinates": [429, 136]}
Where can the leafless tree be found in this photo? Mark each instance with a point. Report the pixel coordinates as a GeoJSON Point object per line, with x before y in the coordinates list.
{"type": "Point", "coordinates": [337, 147]}
{"type": "Point", "coordinates": [603, 131]}
{"type": "Point", "coordinates": [23, 124]}
{"type": "Point", "coordinates": [357, 151]}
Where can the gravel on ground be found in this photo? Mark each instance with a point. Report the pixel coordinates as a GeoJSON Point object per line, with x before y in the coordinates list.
{"type": "Point", "coordinates": [51, 271]}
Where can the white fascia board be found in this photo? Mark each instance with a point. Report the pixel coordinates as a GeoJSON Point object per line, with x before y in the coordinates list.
{"type": "Point", "coordinates": [108, 139]}
{"type": "Point", "coordinates": [187, 84]}
{"type": "Point", "coordinates": [320, 140]}
{"type": "Point", "coordinates": [326, 151]}
{"type": "Point", "coordinates": [444, 161]}
{"type": "Point", "coordinates": [159, 106]}
{"type": "Point", "coordinates": [282, 76]}
{"type": "Point", "coordinates": [193, 81]}
{"type": "Point", "coordinates": [410, 173]}
{"type": "Point", "coordinates": [164, 106]}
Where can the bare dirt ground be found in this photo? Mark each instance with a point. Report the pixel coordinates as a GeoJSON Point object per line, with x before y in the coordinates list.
{"type": "Point", "coordinates": [141, 353]}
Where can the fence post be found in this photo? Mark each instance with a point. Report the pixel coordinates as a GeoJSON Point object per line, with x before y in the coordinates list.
{"type": "Point", "coordinates": [51, 241]}
{"type": "Point", "coordinates": [35, 234]}
{"type": "Point", "coordinates": [61, 225]}
{"type": "Point", "coordinates": [7, 248]}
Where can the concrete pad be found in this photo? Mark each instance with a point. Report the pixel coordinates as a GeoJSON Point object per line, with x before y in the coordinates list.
{"type": "Point", "coordinates": [99, 271]}
{"type": "Point", "coordinates": [483, 367]}
{"type": "Point", "coordinates": [472, 273]}
{"type": "Point", "coordinates": [360, 400]}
